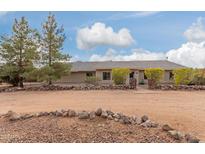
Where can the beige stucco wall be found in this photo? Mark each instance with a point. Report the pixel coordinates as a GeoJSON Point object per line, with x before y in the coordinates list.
{"type": "Point", "coordinates": [77, 77]}
{"type": "Point", "coordinates": [99, 75]}
{"type": "Point", "coordinates": [166, 76]}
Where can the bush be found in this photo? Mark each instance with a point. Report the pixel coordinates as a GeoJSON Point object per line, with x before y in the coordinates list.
{"type": "Point", "coordinates": [198, 77]}
{"type": "Point", "coordinates": [91, 80]}
{"type": "Point", "coordinates": [183, 76]}
{"type": "Point", "coordinates": [154, 75]}
{"type": "Point", "coordinates": [119, 75]}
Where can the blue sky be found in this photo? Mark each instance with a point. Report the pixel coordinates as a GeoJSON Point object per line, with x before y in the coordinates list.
{"type": "Point", "coordinates": [154, 32]}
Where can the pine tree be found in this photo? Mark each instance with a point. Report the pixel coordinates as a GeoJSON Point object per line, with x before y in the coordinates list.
{"type": "Point", "coordinates": [18, 51]}
{"type": "Point", "coordinates": [54, 61]}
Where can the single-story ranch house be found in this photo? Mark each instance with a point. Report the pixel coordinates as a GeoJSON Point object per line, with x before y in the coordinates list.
{"type": "Point", "coordinates": [103, 70]}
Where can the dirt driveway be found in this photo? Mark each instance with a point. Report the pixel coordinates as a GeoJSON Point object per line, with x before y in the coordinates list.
{"type": "Point", "coordinates": [182, 110]}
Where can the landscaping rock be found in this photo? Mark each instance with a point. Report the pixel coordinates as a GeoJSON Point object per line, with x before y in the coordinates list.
{"type": "Point", "coordinates": [98, 112]}
{"type": "Point", "coordinates": [144, 118]}
{"type": "Point", "coordinates": [92, 115]}
{"type": "Point", "coordinates": [12, 116]}
{"type": "Point", "coordinates": [104, 114]}
{"type": "Point", "coordinates": [176, 134]}
{"type": "Point", "coordinates": [166, 128]}
{"type": "Point", "coordinates": [71, 113]}
{"type": "Point", "coordinates": [191, 139]}
{"type": "Point", "coordinates": [110, 112]}
{"type": "Point", "coordinates": [83, 115]}
{"type": "Point", "coordinates": [133, 120]}
{"type": "Point", "coordinates": [65, 114]}
{"type": "Point", "coordinates": [58, 113]}
{"type": "Point", "coordinates": [138, 121]}
{"type": "Point", "coordinates": [110, 117]}
{"type": "Point", "coordinates": [149, 124]}
{"type": "Point", "coordinates": [116, 120]}
{"type": "Point", "coordinates": [26, 116]}
{"type": "Point", "coordinates": [117, 115]}
{"type": "Point", "coordinates": [125, 120]}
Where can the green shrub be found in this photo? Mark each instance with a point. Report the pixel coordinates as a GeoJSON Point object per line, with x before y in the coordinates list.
{"type": "Point", "coordinates": [154, 75]}
{"type": "Point", "coordinates": [92, 80]}
{"type": "Point", "coordinates": [198, 77]}
{"type": "Point", "coordinates": [119, 75]}
{"type": "Point", "coordinates": [183, 76]}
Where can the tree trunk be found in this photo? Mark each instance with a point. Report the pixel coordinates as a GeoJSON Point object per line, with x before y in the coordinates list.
{"type": "Point", "coordinates": [50, 62]}
{"type": "Point", "coordinates": [49, 82]}
{"type": "Point", "coordinates": [21, 82]}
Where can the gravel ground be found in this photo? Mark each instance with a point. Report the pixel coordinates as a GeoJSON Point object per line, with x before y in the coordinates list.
{"type": "Point", "coordinates": [58, 129]}
{"type": "Point", "coordinates": [183, 110]}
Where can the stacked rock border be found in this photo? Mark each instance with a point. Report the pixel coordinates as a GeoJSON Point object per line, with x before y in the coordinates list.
{"type": "Point", "coordinates": [143, 121]}
{"type": "Point", "coordinates": [181, 87]}
{"type": "Point", "coordinates": [61, 88]}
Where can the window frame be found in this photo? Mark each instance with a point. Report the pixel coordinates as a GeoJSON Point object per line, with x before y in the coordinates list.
{"type": "Point", "coordinates": [145, 77]}
{"type": "Point", "coordinates": [89, 74]}
{"type": "Point", "coordinates": [105, 76]}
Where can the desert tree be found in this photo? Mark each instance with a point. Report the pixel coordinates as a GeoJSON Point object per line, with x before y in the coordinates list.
{"type": "Point", "coordinates": [54, 61]}
{"type": "Point", "coordinates": [18, 51]}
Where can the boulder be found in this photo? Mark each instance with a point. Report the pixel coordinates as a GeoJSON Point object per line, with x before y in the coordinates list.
{"type": "Point", "coordinates": [98, 112]}
{"type": "Point", "coordinates": [166, 128]}
{"type": "Point", "coordinates": [144, 118]}
{"type": "Point", "coordinates": [92, 115]}
{"type": "Point", "coordinates": [104, 114]}
{"type": "Point", "coordinates": [83, 115]}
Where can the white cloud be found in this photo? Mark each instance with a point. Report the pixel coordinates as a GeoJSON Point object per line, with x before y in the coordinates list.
{"type": "Point", "coordinates": [136, 54]}
{"type": "Point", "coordinates": [196, 32]}
{"type": "Point", "coordinates": [99, 34]}
{"type": "Point", "coordinates": [189, 54]}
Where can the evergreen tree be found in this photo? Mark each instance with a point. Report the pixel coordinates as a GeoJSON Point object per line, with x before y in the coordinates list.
{"type": "Point", "coordinates": [55, 63]}
{"type": "Point", "coordinates": [18, 52]}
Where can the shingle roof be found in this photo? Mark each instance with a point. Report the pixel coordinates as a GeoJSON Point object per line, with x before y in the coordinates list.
{"type": "Point", "coordinates": [141, 65]}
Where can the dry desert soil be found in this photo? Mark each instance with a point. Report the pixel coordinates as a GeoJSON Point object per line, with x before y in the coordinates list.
{"type": "Point", "coordinates": [183, 110]}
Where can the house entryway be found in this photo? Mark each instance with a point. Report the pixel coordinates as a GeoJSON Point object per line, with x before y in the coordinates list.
{"type": "Point", "coordinates": [132, 80]}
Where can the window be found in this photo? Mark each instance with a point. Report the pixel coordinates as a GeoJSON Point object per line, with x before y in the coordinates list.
{"type": "Point", "coordinates": [171, 75]}
{"type": "Point", "coordinates": [89, 74]}
{"type": "Point", "coordinates": [132, 75]}
{"type": "Point", "coordinates": [145, 77]}
{"type": "Point", "coordinates": [106, 75]}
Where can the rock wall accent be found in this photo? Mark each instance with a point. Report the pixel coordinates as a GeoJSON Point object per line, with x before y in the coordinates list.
{"type": "Point", "coordinates": [58, 88]}
{"type": "Point", "coordinates": [181, 87]}
{"type": "Point", "coordinates": [143, 121]}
